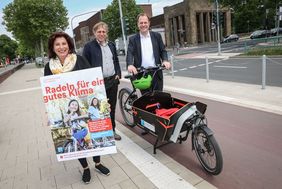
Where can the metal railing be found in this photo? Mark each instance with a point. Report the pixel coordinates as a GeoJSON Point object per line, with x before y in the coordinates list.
{"type": "Point", "coordinates": [267, 42]}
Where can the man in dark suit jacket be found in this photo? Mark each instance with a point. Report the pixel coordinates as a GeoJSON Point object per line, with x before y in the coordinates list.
{"type": "Point", "coordinates": [146, 49]}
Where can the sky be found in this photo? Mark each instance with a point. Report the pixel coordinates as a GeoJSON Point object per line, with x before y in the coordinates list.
{"type": "Point", "coordinates": [77, 7]}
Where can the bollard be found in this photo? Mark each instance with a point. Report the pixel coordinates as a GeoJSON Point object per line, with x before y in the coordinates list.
{"type": "Point", "coordinates": [172, 65]}
{"type": "Point", "coordinates": [207, 69]}
{"type": "Point", "coordinates": [245, 47]}
{"type": "Point", "coordinates": [263, 71]}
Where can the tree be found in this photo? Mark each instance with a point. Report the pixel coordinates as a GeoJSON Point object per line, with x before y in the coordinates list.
{"type": "Point", "coordinates": [7, 47]}
{"type": "Point", "coordinates": [25, 52]}
{"type": "Point", "coordinates": [112, 17]}
{"type": "Point", "coordinates": [32, 21]}
{"type": "Point", "coordinates": [250, 15]}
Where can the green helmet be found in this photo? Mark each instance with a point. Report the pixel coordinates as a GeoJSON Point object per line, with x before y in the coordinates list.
{"type": "Point", "coordinates": [143, 83]}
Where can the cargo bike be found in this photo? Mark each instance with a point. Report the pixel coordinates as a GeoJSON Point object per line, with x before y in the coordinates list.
{"type": "Point", "coordinates": [169, 119]}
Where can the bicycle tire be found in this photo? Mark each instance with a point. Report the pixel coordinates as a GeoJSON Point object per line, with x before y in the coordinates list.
{"type": "Point", "coordinates": [69, 146]}
{"type": "Point", "coordinates": [125, 108]}
{"type": "Point", "coordinates": [208, 151]}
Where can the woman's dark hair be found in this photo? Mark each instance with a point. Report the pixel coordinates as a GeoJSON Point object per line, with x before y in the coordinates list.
{"type": "Point", "coordinates": [98, 103]}
{"type": "Point", "coordinates": [78, 109]}
{"type": "Point", "coordinates": [53, 37]}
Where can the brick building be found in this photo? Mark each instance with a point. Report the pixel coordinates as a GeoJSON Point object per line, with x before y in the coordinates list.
{"type": "Point", "coordinates": [83, 32]}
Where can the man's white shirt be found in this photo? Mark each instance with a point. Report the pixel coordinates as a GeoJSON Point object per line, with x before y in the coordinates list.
{"type": "Point", "coordinates": [148, 59]}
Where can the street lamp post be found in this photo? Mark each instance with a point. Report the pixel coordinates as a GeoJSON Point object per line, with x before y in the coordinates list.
{"type": "Point", "coordinates": [122, 27]}
{"type": "Point", "coordinates": [218, 32]}
{"type": "Point", "coordinates": [72, 24]}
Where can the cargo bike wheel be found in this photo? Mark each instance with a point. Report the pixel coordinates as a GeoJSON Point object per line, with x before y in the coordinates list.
{"type": "Point", "coordinates": [126, 99]}
{"type": "Point", "coordinates": [207, 151]}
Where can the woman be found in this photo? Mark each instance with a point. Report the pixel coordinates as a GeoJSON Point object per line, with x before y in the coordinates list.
{"type": "Point", "coordinates": [63, 59]}
{"type": "Point", "coordinates": [94, 109]}
{"type": "Point", "coordinates": [73, 118]}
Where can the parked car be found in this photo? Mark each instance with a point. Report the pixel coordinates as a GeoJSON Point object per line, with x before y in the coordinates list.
{"type": "Point", "coordinates": [40, 61]}
{"type": "Point", "coordinates": [230, 38]}
{"type": "Point", "coordinates": [260, 34]}
{"type": "Point", "coordinates": [273, 31]}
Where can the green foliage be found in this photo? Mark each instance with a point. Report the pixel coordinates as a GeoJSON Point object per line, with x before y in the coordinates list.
{"type": "Point", "coordinates": [32, 20]}
{"type": "Point", "coordinates": [251, 15]}
{"type": "Point", "coordinates": [265, 51]}
{"type": "Point", "coordinates": [25, 52]}
{"type": "Point", "coordinates": [111, 16]}
{"type": "Point", "coordinates": [7, 47]}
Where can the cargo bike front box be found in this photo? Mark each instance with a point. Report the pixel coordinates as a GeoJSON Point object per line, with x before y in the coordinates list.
{"type": "Point", "coordinates": [164, 115]}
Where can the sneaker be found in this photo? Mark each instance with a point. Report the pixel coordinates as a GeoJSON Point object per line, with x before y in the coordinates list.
{"type": "Point", "coordinates": [117, 137]}
{"type": "Point", "coordinates": [86, 176]}
{"type": "Point", "coordinates": [104, 170]}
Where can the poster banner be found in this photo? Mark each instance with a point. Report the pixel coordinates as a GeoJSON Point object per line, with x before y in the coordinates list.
{"type": "Point", "coordinates": [78, 114]}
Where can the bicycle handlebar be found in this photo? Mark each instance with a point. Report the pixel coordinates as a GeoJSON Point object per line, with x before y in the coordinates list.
{"type": "Point", "coordinates": [145, 70]}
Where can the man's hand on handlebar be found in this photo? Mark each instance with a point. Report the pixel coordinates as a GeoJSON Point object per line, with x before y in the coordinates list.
{"type": "Point", "coordinates": [132, 69]}
{"type": "Point", "coordinates": [166, 64]}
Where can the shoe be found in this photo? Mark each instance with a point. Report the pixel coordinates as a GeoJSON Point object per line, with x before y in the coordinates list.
{"type": "Point", "coordinates": [86, 176]}
{"type": "Point", "coordinates": [117, 137]}
{"type": "Point", "coordinates": [104, 170]}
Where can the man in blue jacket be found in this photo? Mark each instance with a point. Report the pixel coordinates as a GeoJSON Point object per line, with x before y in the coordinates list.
{"type": "Point", "coordinates": [101, 52]}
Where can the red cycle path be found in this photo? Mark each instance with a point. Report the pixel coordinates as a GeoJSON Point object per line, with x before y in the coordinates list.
{"type": "Point", "coordinates": [250, 141]}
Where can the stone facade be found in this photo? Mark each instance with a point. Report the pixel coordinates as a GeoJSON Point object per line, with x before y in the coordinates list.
{"type": "Point", "coordinates": [190, 22]}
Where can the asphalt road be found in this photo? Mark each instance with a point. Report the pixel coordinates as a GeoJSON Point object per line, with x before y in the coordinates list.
{"type": "Point", "coordinates": [242, 70]}
{"type": "Point", "coordinates": [250, 142]}
{"type": "Point", "coordinates": [235, 69]}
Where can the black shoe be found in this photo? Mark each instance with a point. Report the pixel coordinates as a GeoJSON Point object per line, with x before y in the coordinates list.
{"type": "Point", "coordinates": [117, 136]}
{"type": "Point", "coordinates": [86, 176]}
{"type": "Point", "coordinates": [104, 170]}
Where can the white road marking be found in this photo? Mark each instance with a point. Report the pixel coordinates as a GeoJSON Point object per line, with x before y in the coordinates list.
{"type": "Point", "coordinates": [20, 91]}
{"type": "Point", "coordinates": [239, 67]}
{"type": "Point", "coordinates": [199, 94]}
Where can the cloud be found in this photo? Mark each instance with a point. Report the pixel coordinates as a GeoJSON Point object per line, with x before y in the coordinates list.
{"type": "Point", "coordinates": [2, 27]}
{"type": "Point", "coordinates": [158, 6]}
